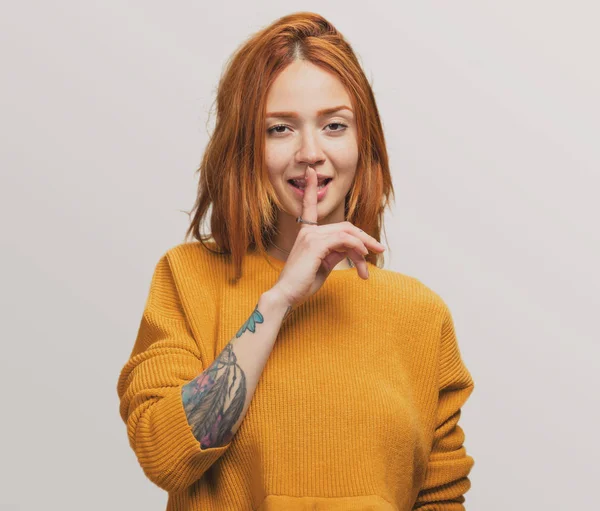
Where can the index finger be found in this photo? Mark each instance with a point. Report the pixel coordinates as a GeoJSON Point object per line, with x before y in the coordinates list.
{"type": "Point", "coordinates": [309, 200]}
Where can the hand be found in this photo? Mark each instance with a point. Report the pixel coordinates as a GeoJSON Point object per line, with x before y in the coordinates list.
{"type": "Point", "coordinates": [319, 248]}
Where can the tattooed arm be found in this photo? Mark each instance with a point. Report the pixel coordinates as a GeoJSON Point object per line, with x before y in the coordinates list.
{"type": "Point", "coordinates": [217, 400]}
{"type": "Point", "coordinates": [165, 358]}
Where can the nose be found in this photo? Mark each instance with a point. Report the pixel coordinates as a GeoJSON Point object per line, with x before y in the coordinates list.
{"type": "Point", "coordinates": [309, 152]}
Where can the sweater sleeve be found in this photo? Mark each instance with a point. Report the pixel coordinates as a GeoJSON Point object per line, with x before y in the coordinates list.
{"type": "Point", "coordinates": [164, 358]}
{"type": "Point", "coordinates": [446, 479]}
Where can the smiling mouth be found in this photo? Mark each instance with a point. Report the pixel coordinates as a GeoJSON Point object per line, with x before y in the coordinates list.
{"type": "Point", "coordinates": [301, 185]}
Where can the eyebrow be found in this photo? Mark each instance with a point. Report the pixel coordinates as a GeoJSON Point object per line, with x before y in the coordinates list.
{"type": "Point", "coordinates": [320, 113]}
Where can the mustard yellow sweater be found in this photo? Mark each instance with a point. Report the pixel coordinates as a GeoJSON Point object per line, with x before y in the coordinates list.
{"type": "Point", "coordinates": [357, 407]}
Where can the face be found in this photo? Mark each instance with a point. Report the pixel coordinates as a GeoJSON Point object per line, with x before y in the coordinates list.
{"type": "Point", "coordinates": [299, 134]}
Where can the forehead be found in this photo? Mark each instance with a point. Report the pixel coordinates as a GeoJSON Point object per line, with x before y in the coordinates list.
{"type": "Point", "coordinates": [306, 88]}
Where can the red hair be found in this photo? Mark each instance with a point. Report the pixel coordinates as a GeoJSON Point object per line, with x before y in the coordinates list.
{"type": "Point", "coordinates": [233, 174]}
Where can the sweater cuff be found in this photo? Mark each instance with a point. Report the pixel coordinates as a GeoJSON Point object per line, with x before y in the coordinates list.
{"type": "Point", "coordinates": [178, 457]}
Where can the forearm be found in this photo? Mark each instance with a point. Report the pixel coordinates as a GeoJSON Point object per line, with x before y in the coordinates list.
{"type": "Point", "coordinates": [216, 401]}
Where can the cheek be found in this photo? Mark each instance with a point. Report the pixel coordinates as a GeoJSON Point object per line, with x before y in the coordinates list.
{"type": "Point", "coordinates": [344, 150]}
{"type": "Point", "coordinates": [276, 161]}
{"type": "Point", "coordinates": [345, 158]}
{"type": "Point", "coordinates": [274, 166]}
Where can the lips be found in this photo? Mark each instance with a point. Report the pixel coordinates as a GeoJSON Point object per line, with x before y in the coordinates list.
{"type": "Point", "coordinates": [299, 192]}
{"type": "Point", "coordinates": [301, 183]}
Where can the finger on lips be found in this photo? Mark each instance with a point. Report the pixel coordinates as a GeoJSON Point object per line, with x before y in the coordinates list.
{"type": "Point", "coordinates": [309, 207]}
{"type": "Point", "coordinates": [309, 202]}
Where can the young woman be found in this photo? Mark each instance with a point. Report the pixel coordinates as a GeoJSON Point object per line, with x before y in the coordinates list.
{"type": "Point", "coordinates": [277, 365]}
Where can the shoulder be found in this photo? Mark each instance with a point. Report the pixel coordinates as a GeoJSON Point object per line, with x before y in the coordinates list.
{"type": "Point", "coordinates": [196, 271]}
{"type": "Point", "coordinates": [412, 291]}
{"type": "Point", "coordinates": [185, 277]}
{"type": "Point", "coordinates": [193, 257]}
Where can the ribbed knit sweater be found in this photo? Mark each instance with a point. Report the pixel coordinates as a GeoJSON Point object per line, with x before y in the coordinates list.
{"type": "Point", "coordinates": [357, 407]}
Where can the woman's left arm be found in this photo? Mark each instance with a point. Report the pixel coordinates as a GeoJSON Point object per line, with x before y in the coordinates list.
{"type": "Point", "coordinates": [446, 480]}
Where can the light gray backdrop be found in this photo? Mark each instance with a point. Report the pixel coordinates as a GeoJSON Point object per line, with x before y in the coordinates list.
{"type": "Point", "coordinates": [491, 112]}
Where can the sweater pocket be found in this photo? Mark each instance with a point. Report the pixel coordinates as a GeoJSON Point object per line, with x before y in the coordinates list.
{"type": "Point", "coordinates": [359, 503]}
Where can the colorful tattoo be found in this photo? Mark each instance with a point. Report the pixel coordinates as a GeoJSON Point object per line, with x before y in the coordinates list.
{"type": "Point", "coordinates": [214, 401]}
{"type": "Point", "coordinates": [250, 324]}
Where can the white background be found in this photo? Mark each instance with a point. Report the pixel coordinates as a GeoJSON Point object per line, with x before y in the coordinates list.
{"type": "Point", "coordinates": [491, 114]}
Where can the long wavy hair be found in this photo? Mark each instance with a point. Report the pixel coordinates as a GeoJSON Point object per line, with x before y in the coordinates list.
{"type": "Point", "coordinates": [233, 174]}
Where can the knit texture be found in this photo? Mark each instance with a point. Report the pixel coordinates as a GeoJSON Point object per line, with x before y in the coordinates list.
{"type": "Point", "coordinates": [357, 407]}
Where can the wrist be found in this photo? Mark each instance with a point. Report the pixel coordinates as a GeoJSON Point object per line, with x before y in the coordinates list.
{"type": "Point", "coordinates": [277, 299]}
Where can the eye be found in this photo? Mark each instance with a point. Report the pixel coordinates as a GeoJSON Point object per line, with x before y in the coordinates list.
{"type": "Point", "coordinates": [344, 126]}
{"type": "Point", "coordinates": [277, 127]}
